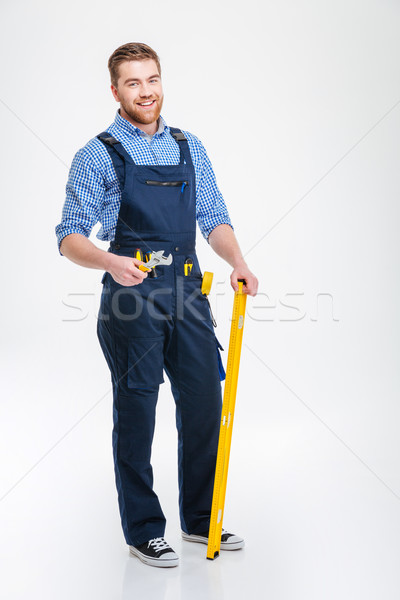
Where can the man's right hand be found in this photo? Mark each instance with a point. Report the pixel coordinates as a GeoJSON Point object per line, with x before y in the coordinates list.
{"type": "Point", "coordinates": [82, 251]}
{"type": "Point", "coordinates": [124, 270]}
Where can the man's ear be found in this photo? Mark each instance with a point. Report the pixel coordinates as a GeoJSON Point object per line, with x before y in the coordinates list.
{"type": "Point", "coordinates": [115, 93]}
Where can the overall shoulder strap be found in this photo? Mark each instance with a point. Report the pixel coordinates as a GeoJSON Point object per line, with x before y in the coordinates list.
{"type": "Point", "coordinates": [118, 154]}
{"type": "Point", "coordinates": [180, 138]}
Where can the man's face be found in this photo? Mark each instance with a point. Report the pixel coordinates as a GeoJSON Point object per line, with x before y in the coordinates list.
{"type": "Point", "coordinates": [139, 91]}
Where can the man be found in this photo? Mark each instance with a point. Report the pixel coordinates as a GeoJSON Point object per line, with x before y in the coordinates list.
{"type": "Point", "coordinates": [147, 183]}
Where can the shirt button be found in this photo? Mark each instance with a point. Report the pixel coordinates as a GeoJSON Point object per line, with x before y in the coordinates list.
{"type": "Point", "coordinates": [117, 246]}
{"type": "Point", "coordinates": [176, 248]}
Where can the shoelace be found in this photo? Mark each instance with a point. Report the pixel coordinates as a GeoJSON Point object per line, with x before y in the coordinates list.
{"type": "Point", "coordinates": [158, 544]}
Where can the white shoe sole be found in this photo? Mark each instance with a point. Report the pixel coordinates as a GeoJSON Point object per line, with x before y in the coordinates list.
{"type": "Point", "coordinates": [199, 539]}
{"type": "Point", "coordinates": [154, 562]}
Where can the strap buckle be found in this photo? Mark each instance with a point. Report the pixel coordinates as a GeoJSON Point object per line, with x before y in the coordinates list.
{"type": "Point", "coordinates": [111, 141]}
{"type": "Point", "coordinates": [179, 136]}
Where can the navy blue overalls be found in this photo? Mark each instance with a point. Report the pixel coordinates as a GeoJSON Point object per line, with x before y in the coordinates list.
{"type": "Point", "coordinates": [162, 323]}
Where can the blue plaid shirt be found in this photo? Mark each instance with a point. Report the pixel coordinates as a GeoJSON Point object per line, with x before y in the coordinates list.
{"type": "Point", "coordinates": [93, 194]}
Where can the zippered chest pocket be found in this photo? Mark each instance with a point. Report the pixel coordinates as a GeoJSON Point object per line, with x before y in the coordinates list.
{"type": "Point", "coordinates": [181, 184]}
{"type": "Point", "coordinates": [162, 202]}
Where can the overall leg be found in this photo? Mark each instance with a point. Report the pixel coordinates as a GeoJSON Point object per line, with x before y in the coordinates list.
{"type": "Point", "coordinates": [134, 419]}
{"type": "Point", "coordinates": [191, 364]}
{"type": "Point", "coordinates": [130, 359]}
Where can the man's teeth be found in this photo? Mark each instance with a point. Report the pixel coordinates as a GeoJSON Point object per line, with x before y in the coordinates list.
{"type": "Point", "coordinates": [146, 103]}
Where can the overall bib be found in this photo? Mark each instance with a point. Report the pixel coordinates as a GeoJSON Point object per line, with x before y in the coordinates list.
{"type": "Point", "coordinates": [161, 324]}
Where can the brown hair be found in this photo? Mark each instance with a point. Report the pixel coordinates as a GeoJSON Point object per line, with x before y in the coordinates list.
{"type": "Point", "coordinates": [131, 51]}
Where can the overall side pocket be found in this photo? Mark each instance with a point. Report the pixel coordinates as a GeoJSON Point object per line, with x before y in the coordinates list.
{"type": "Point", "coordinates": [146, 362]}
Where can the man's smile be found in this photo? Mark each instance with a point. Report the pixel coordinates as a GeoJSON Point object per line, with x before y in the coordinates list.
{"type": "Point", "coordinates": [147, 103]}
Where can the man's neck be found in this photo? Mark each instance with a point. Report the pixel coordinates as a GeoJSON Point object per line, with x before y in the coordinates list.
{"type": "Point", "coordinates": [149, 128]}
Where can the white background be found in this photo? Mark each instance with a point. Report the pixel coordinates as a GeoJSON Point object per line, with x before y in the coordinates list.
{"type": "Point", "coordinates": [298, 105]}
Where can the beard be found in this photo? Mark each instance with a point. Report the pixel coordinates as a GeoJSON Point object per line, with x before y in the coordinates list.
{"type": "Point", "coordinates": [143, 116]}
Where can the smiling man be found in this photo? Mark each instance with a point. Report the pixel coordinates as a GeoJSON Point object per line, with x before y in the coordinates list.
{"type": "Point", "coordinates": [139, 92]}
{"type": "Point", "coordinates": [147, 184]}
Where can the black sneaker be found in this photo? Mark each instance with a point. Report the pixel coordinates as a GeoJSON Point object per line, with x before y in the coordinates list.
{"type": "Point", "coordinates": [229, 541]}
{"type": "Point", "coordinates": [156, 553]}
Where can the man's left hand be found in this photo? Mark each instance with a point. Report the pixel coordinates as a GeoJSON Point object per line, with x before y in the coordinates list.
{"type": "Point", "coordinates": [250, 286]}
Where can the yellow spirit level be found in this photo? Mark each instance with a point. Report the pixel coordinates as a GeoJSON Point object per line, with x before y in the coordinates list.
{"type": "Point", "coordinates": [225, 432]}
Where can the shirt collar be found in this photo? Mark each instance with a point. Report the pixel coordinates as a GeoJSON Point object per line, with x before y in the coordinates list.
{"type": "Point", "coordinates": [127, 127]}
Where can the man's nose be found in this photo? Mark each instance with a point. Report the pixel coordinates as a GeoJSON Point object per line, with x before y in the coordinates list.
{"type": "Point", "coordinates": [145, 90]}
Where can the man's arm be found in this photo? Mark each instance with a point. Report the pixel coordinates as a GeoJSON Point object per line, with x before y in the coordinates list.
{"type": "Point", "coordinates": [85, 194]}
{"type": "Point", "coordinates": [214, 222]}
{"type": "Point", "coordinates": [123, 269]}
{"type": "Point", "coordinates": [223, 241]}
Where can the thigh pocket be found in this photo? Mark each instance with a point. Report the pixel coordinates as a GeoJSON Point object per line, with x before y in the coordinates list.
{"type": "Point", "coordinates": [221, 369]}
{"type": "Point", "coordinates": [146, 362]}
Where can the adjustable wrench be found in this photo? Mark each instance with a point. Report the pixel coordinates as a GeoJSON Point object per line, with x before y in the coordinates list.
{"type": "Point", "coordinates": [157, 258]}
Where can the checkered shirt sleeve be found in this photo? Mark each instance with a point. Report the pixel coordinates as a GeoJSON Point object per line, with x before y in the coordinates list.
{"type": "Point", "coordinates": [92, 190]}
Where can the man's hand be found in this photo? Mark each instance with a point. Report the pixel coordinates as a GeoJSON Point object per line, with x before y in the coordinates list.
{"type": "Point", "coordinates": [125, 271]}
{"type": "Point", "coordinates": [223, 241]}
{"type": "Point", "coordinates": [251, 282]}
